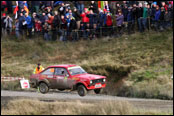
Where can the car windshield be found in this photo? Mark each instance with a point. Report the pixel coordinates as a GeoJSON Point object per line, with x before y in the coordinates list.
{"type": "Point", "coordinates": [76, 70]}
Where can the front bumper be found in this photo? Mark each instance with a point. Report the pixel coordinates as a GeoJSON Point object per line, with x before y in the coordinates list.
{"type": "Point", "coordinates": [90, 87]}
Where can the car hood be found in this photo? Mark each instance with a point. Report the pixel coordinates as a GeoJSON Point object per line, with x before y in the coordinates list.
{"type": "Point", "coordinates": [89, 76]}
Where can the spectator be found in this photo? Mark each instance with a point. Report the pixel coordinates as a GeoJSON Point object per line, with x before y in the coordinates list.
{"type": "Point", "coordinates": [38, 27]}
{"type": "Point", "coordinates": [43, 18]}
{"type": "Point", "coordinates": [50, 20]}
{"type": "Point", "coordinates": [119, 20]}
{"type": "Point", "coordinates": [73, 27]}
{"type": "Point", "coordinates": [46, 28]}
{"type": "Point", "coordinates": [76, 15]}
{"type": "Point", "coordinates": [92, 18]}
{"type": "Point", "coordinates": [3, 24]}
{"type": "Point", "coordinates": [80, 6]}
{"type": "Point", "coordinates": [145, 16]}
{"type": "Point", "coordinates": [8, 24]}
{"type": "Point", "coordinates": [134, 16]}
{"type": "Point", "coordinates": [157, 17]}
{"type": "Point", "coordinates": [93, 6]}
{"type": "Point", "coordinates": [29, 25]}
{"type": "Point", "coordinates": [63, 28]}
{"type": "Point", "coordinates": [129, 19]}
{"type": "Point", "coordinates": [109, 23]}
{"type": "Point", "coordinates": [140, 17]}
{"type": "Point", "coordinates": [17, 31]}
{"type": "Point", "coordinates": [85, 19]}
{"type": "Point", "coordinates": [166, 19]}
{"type": "Point", "coordinates": [162, 18]}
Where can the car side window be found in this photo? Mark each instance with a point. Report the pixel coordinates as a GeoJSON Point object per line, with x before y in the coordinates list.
{"type": "Point", "coordinates": [49, 71]}
{"type": "Point", "coordinates": [60, 71]}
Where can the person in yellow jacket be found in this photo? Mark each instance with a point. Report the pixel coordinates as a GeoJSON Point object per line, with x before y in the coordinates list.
{"type": "Point", "coordinates": [38, 69]}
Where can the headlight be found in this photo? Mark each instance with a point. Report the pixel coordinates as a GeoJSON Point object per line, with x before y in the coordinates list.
{"type": "Point", "coordinates": [90, 81]}
{"type": "Point", "coordinates": [104, 80]}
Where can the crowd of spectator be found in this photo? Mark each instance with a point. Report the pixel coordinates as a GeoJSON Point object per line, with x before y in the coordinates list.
{"type": "Point", "coordinates": [76, 20]}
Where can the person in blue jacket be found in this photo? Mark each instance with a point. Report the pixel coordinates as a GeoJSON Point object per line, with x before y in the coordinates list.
{"type": "Point", "coordinates": [157, 17]}
{"type": "Point", "coordinates": [29, 25]}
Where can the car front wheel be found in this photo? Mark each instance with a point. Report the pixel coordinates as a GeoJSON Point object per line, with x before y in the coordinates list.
{"type": "Point", "coordinates": [81, 90]}
{"type": "Point", "coordinates": [43, 88]}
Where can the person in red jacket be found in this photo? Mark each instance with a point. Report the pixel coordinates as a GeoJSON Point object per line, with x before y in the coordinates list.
{"type": "Point", "coordinates": [85, 19]}
{"type": "Point", "coordinates": [109, 23]}
{"type": "Point", "coordinates": [50, 20]}
{"type": "Point", "coordinates": [109, 20]}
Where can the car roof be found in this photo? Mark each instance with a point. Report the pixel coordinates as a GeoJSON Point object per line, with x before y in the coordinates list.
{"type": "Point", "coordinates": [63, 65]}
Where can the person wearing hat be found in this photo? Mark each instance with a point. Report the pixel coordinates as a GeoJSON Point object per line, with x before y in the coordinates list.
{"type": "Point", "coordinates": [38, 69]}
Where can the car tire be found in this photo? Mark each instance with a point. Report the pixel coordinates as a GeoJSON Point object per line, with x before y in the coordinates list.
{"type": "Point", "coordinates": [43, 88]}
{"type": "Point", "coordinates": [61, 89]}
{"type": "Point", "coordinates": [97, 91]}
{"type": "Point", "coordinates": [81, 90]}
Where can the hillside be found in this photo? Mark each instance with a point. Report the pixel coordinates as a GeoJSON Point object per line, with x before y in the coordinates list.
{"type": "Point", "coordinates": [139, 65]}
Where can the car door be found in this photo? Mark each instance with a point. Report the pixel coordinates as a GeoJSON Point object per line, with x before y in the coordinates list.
{"type": "Point", "coordinates": [62, 78]}
{"type": "Point", "coordinates": [47, 75]}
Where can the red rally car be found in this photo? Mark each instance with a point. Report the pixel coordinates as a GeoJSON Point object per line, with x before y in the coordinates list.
{"type": "Point", "coordinates": [63, 77]}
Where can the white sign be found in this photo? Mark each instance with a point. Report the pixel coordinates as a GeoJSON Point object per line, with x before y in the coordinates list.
{"type": "Point", "coordinates": [25, 84]}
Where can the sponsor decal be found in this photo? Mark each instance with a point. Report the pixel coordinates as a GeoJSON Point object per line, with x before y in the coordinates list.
{"type": "Point", "coordinates": [75, 78]}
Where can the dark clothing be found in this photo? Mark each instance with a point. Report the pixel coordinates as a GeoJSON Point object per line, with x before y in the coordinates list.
{"type": "Point", "coordinates": [2, 22]}
{"type": "Point", "coordinates": [125, 12]}
{"type": "Point", "coordinates": [77, 16]}
{"type": "Point", "coordinates": [56, 21]}
{"type": "Point", "coordinates": [139, 12]}
{"type": "Point", "coordinates": [94, 7]}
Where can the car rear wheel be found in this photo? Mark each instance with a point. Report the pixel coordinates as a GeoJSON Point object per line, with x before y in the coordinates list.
{"type": "Point", "coordinates": [97, 91]}
{"type": "Point", "coordinates": [81, 90]}
{"type": "Point", "coordinates": [43, 88]}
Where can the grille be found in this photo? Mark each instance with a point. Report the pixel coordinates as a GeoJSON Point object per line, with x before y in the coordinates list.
{"type": "Point", "coordinates": [97, 81]}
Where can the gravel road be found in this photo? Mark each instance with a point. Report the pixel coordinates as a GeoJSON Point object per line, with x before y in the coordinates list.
{"type": "Point", "coordinates": [155, 104]}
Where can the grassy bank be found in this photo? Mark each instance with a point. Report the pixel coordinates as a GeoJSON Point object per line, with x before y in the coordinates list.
{"type": "Point", "coordinates": [138, 65]}
{"type": "Point", "coordinates": [36, 107]}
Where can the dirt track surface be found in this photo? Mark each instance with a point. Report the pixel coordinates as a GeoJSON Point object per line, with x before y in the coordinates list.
{"type": "Point", "coordinates": [152, 104]}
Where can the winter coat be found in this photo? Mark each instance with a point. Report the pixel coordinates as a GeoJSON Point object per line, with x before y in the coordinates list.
{"type": "Point", "coordinates": [73, 24]}
{"type": "Point", "coordinates": [145, 12]}
{"type": "Point", "coordinates": [157, 15]}
{"type": "Point", "coordinates": [139, 12]}
{"type": "Point", "coordinates": [129, 16]}
{"type": "Point", "coordinates": [109, 21]}
{"type": "Point", "coordinates": [17, 26]}
{"type": "Point", "coordinates": [8, 22]}
{"type": "Point", "coordinates": [85, 19]}
{"type": "Point", "coordinates": [50, 21]}
{"type": "Point", "coordinates": [56, 21]}
{"type": "Point", "coordinates": [91, 18]}
{"type": "Point", "coordinates": [162, 15]}
{"type": "Point", "coordinates": [94, 7]}
{"type": "Point", "coordinates": [21, 19]}
{"type": "Point", "coordinates": [76, 15]}
{"type": "Point", "coordinates": [43, 18]}
{"type": "Point", "coordinates": [125, 12]}
{"type": "Point", "coordinates": [29, 22]}
{"type": "Point", "coordinates": [2, 22]}
{"type": "Point", "coordinates": [120, 19]}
